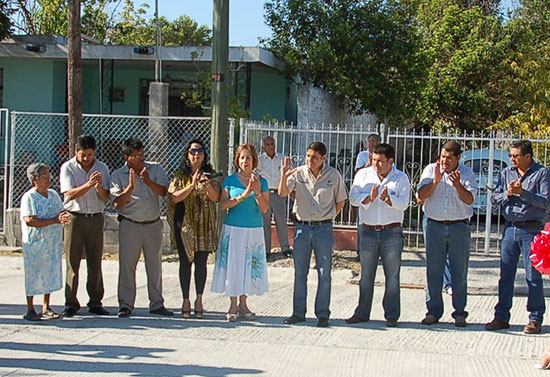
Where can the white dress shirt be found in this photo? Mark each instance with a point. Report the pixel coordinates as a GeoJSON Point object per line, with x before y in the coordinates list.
{"type": "Point", "coordinates": [379, 212]}
{"type": "Point", "coordinates": [270, 168]}
{"type": "Point", "coordinates": [445, 204]}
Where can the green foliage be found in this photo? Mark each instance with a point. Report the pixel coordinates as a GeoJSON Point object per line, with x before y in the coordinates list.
{"type": "Point", "coordinates": [5, 23]}
{"type": "Point", "coordinates": [102, 21]}
{"type": "Point", "coordinates": [465, 50]}
{"type": "Point", "coordinates": [363, 52]}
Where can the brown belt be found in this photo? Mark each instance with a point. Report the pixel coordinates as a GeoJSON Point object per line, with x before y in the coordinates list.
{"type": "Point", "coordinates": [382, 227]}
{"type": "Point", "coordinates": [450, 222]}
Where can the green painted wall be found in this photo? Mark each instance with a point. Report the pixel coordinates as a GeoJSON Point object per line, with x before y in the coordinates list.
{"type": "Point", "coordinates": [267, 94]}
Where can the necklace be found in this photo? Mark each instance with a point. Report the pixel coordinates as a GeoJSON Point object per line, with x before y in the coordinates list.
{"type": "Point", "coordinates": [243, 176]}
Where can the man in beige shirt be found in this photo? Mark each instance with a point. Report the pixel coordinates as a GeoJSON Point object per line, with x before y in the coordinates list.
{"type": "Point", "coordinates": [320, 194]}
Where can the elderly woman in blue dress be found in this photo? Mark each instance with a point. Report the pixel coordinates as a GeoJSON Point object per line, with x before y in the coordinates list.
{"type": "Point", "coordinates": [240, 269]}
{"type": "Point", "coordinates": [42, 217]}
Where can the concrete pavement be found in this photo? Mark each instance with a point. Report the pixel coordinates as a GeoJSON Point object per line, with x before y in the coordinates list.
{"type": "Point", "coordinates": [146, 345]}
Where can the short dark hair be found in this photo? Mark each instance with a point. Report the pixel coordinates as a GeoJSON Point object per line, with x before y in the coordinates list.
{"type": "Point", "coordinates": [524, 146]}
{"type": "Point", "coordinates": [374, 136]}
{"type": "Point", "coordinates": [385, 149]}
{"type": "Point", "coordinates": [130, 145]}
{"type": "Point", "coordinates": [318, 147]}
{"type": "Point", "coordinates": [454, 147]}
{"type": "Point", "coordinates": [85, 142]}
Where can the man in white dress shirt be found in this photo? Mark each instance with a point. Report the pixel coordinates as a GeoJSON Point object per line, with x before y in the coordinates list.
{"type": "Point", "coordinates": [364, 157]}
{"type": "Point", "coordinates": [382, 194]}
{"type": "Point", "coordinates": [269, 165]}
{"type": "Point", "coordinates": [447, 188]}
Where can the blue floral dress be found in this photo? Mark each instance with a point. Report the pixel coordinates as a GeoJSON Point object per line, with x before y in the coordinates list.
{"type": "Point", "coordinates": [42, 247]}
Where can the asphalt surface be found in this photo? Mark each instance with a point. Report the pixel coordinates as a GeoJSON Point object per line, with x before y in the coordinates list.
{"type": "Point", "coordinates": [148, 345]}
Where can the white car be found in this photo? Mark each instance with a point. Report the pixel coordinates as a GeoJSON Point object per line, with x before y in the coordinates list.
{"type": "Point", "coordinates": [478, 161]}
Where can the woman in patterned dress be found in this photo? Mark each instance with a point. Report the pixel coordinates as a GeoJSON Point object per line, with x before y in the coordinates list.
{"type": "Point", "coordinates": [42, 237]}
{"type": "Point", "coordinates": [240, 268]}
{"type": "Point", "coordinates": [195, 221]}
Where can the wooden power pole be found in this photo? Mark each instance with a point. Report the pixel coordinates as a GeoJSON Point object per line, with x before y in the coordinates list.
{"type": "Point", "coordinates": [220, 60]}
{"type": "Point", "coordinates": [74, 75]}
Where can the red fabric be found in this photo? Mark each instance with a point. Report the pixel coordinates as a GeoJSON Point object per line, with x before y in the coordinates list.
{"type": "Point", "coordinates": [540, 251]}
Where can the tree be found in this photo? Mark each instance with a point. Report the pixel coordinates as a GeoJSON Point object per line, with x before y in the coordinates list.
{"type": "Point", "coordinates": [528, 87]}
{"type": "Point", "coordinates": [465, 50]}
{"type": "Point", "coordinates": [363, 52]}
{"type": "Point", "coordinates": [5, 22]}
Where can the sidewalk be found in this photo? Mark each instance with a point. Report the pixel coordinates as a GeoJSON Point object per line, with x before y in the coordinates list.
{"type": "Point", "coordinates": [146, 345]}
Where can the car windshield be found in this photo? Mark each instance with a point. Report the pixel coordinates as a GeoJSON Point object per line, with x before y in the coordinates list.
{"type": "Point", "coordinates": [481, 166]}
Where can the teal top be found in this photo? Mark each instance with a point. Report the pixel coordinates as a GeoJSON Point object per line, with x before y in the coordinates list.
{"type": "Point", "coordinates": [246, 214]}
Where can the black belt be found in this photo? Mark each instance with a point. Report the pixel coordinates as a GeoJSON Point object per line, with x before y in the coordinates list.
{"type": "Point", "coordinates": [85, 214]}
{"type": "Point", "coordinates": [526, 224]}
{"type": "Point", "coordinates": [450, 222]}
{"type": "Point", "coordinates": [382, 227]}
{"type": "Point", "coordinates": [120, 218]}
{"type": "Point", "coordinates": [273, 191]}
{"type": "Point", "coordinates": [314, 223]}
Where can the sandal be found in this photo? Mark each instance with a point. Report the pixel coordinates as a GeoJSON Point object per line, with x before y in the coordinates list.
{"type": "Point", "coordinates": [250, 315]}
{"type": "Point", "coordinates": [231, 317]}
{"type": "Point", "coordinates": [199, 314]}
{"type": "Point", "coordinates": [32, 316]}
{"type": "Point", "coordinates": [49, 314]}
{"type": "Point", "coordinates": [185, 313]}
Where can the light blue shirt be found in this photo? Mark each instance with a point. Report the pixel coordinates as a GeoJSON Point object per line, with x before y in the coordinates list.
{"type": "Point", "coordinates": [246, 214]}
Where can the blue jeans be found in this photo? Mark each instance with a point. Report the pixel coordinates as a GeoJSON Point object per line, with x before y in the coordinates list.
{"type": "Point", "coordinates": [321, 240]}
{"type": "Point", "coordinates": [387, 245]}
{"type": "Point", "coordinates": [516, 241]}
{"type": "Point", "coordinates": [442, 241]}
{"type": "Point", "coordinates": [447, 273]}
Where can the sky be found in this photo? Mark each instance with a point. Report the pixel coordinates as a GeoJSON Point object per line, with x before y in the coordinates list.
{"type": "Point", "coordinates": [246, 21]}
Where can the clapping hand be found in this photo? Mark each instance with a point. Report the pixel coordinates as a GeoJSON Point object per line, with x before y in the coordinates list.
{"type": "Point", "coordinates": [438, 174]}
{"type": "Point", "coordinates": [95, 179]}
{"type": "Point", "coordinates": [374, 192]}
{"type": "Point", "coordinates": [255, 183]}
{"type": "Point", "coordinates": [131, 179]}
{"type": "Point", "coordinates": [144, 175]}
{"type": "Point", "coordinates": [196, 178]}
{"type": "Point", "coordinates": [454, 177]}
{"type": "Point", "coordinates": [515, 187]}
{"type": "Point", "coordinates": [286, 168]}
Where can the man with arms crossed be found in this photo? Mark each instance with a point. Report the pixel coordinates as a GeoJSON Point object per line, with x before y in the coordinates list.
{"type": "Point", "coordinates": [320, 194]}
{"type": "Point", "coordinates": [269, 165]}
{"type": "Point", "coordinates": [523, 194]}
{"type": "Point", "coordinates": [84, 182]}
{"type": "Point", "coordinates": [382, 194]}
{"type": "Point", "coordinates": [447, 188]}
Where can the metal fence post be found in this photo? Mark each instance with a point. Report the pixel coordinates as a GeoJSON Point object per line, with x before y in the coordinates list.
{"type": "Point", "coordinates": [231, 146]}
{"type": "Point", "coordinates": [242, 131]}
{"type": "Point", "coordinates": [490, 188]}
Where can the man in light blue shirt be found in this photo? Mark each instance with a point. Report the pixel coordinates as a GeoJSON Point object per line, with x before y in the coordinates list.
{"type": "Point", "coordinates": [523, 194]}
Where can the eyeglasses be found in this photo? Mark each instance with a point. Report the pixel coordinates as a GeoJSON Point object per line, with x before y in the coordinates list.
{"type": "Point", "coordinates": [44, 175]}
{"type": "Point", "coordinates": [514, 155]}
{"type": "Point", "coordinates": [138, 155]}
{"type": "Point", "coordinates": [196, 150]}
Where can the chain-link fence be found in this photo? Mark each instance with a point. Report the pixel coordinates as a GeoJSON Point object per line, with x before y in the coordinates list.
{"type": "Point", "coordinates": [43, 137]}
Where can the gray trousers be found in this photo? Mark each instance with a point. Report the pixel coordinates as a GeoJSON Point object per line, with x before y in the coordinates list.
{"type": "Point", "coordinates": [133, 238]}
{"type": "Point", "coordinates": [277, 207]}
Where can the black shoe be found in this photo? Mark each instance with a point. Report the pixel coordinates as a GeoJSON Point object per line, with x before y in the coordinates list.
{"type": "Point", "coordinates": [323, 322]}
{"type": "Point", "coordinates": [294, 319]}
{"type": "Point", "coordinates": [162, 311]}
{"type": "Point", "coordinates": [355, 319]}
{"type": "Point", "coordinates": [288, 253]}
{"type": "Point", "coordinates": [124, 312]}
{"type": "Point", "coordinates": [391, 322]}
{"type": "Point", "coordinates": [99, 310]}
{"type": "Point", "coordinates": [69, 312]}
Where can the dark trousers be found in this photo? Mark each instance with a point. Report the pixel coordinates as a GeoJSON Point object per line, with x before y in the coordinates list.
{"type": "Point", "coordinates": [84, 236]}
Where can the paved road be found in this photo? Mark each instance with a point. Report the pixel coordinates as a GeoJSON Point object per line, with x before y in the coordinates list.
{"type": "Point", "coordinates": [145, 345]}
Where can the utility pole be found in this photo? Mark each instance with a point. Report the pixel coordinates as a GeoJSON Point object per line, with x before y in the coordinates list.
{"type": "Point", "coordinates": [220, 60]}
{"type": "Point", "coordinates": [74, 75]}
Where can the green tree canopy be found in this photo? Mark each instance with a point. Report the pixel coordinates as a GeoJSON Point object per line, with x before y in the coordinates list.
{"type": "Point", "coordinates": [363, 52]}
{"type": "Point", "coordinates": [5, 22]}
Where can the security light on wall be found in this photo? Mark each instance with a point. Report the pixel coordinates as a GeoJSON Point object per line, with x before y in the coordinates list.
{"type": "Point", "coordinates": [144, 50]}
{"type": "Point", "coordinates": [35, 48]}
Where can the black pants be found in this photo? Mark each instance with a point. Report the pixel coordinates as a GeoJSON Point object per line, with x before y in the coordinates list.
{"type": "Point", "coordinates": [185, 266]}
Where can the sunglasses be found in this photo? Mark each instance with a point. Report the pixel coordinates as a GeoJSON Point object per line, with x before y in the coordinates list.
{"type": "Point", "coordinates": [196, 150]}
